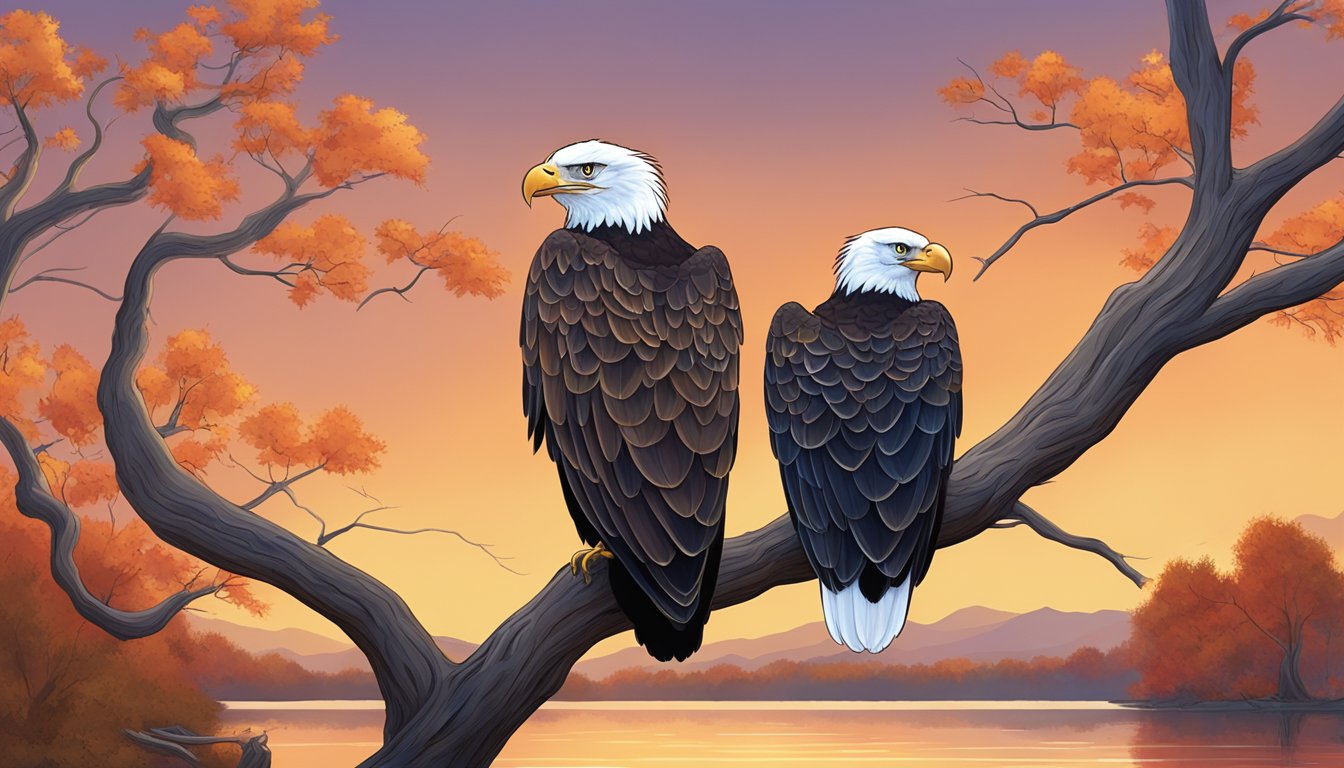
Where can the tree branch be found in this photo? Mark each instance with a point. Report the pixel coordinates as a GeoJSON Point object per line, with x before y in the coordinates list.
{"type": "Point", "coordinates": [1059, 215]}
{"type": "Point", "coordinates": [34, 499]}
{"type": "Point", "coordinates": [45, 276]}
{"type": "Point", "coordinates": [1027, 516]}
{"type": "Point", "coordinates": [1017, 123]}
{"type": "Point", "coordinates": [1006, 106]}
{"type": "Point", "coordinates": [25, 168]}
{"type": "Point", "coordinates": [1277, 18]}
{"type": "Point", "coordinates": [402, 291]}
{"type": "Point", "coordinates": [77, 166]}
{"type": "Point", "coordinates": [186, 514]}
{"type": "Point", "coordinates": [972, 193]}
{"type": "Point", "coordinates": [325, 537]}
{"type": "Point", "coordinates": [173, 742]}
{"type": "Point", "coordinates": [280, 486]}
{"type": "Point", "coordinates": [1280, 288]}
{"type": "Point", "coordinates": [1198, 73]}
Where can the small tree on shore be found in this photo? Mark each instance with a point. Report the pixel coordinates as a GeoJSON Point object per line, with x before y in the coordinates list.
{"type": "Point", "coordinates": [1261, 630]}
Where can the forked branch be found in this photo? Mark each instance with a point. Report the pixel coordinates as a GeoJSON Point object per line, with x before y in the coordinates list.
{"type": "Point", "coordinates": [1056, 216]}
{"type": "Point", "coordinates": [34, 499]}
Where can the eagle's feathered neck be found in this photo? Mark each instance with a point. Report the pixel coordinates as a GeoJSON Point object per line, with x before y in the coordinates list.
{"type": "Point", "coordinates": [658, 245]}
{"type": "Point", "coordinates": [872, 311]}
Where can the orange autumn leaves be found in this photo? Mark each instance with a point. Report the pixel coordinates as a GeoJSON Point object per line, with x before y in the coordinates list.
{"type": "Point", "coordinates": [184, 184]}
{"type": "Point", "coordinates": [336, 441]}
{"type": "Point", "coordinates": [328, 256]}
{"type": "Point", "coordinates": [192, 395]}
{"type": "Point", "coordinates": [37, 67]}
{"type": "Point", "coordinates": [1136, 129]}
{"type": "Point", "coordinates": [256, 51]}
{"type": "Point", "coordinates": [268, 39]}
{"type": "Point", "coordinates": [466, 265]}
{"type": "Point", "coordinates": [1128, 129]}
{"type": "Point", "coordinates": [1314, 230]}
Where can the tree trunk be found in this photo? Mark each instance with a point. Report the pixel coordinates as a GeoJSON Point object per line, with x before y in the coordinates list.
{"type": "Point", "coordinates": [1291, 687]}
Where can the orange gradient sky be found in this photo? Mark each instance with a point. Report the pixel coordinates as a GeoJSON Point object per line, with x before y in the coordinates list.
{"type": "Point", "coordinates": [782, 127]}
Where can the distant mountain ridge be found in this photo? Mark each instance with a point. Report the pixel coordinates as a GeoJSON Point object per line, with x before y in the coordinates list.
{"type": "Point", "coordinates": [975, 633]}
{"type": "Point", "coordinates": [1329, 528]}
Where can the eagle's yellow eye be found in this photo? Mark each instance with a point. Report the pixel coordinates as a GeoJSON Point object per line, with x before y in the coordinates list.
{"type": "Point", "coordinates": [587, 170]}
{"type": "Point", "coordinates": [901, 249]}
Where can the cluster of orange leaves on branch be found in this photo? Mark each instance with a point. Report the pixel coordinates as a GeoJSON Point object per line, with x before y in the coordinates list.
{"type": "Point", "coordinates": [1128, 130]}
{"type": "Point", "coordinates": [249, 59]}
{"type": "Point", "coordinates": [1313, 230]}
{"type": "Point", "coordinates": [1136, 129]}
{"type": "Point", "coordinates": [269, 41]}
{"type": "Point", "coordinates": [194, 398]}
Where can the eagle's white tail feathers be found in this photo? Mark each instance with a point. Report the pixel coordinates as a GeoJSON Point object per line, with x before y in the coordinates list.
{"type": "Point", "coordinates": [860, 625]}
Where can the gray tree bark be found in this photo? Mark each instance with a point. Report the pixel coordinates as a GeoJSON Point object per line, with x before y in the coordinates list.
{"type": "Point", "coordinates": [442, 713]}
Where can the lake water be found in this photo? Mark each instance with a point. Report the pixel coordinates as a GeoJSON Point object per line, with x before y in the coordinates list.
{"type": "Point", "coordinates": [839, 734]}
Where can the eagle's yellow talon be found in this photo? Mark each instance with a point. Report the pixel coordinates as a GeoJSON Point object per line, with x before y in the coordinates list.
{"type": "Point", "coordinates": [582, 558]}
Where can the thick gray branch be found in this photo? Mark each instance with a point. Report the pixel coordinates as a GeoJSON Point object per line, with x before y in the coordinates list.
{"type": "Point", "coordinates": [1280, 288]}
{"type": "Point", "coordinates": [25, 169]}
{"type": "Point", "coordinates": [1197, 70]}
{"type": "Point", "coordinates": [187, 514]}
{"type": "Point", "coordinates": [34, 499]}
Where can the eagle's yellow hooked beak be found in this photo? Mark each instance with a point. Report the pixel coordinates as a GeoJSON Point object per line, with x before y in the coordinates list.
{"type": "Point", "coordinates": [934, 258]}
{"type": "Point", "coordinates": [544, 180]}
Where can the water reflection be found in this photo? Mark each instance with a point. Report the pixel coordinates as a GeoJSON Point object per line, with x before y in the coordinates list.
{"type": "Point", "coordinates": [1190, 739]}
{"type": "Point", "coordinates": [634, 736]}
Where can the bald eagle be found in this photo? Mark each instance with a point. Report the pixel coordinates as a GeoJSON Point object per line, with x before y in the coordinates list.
{"type": "Point", "coordinates": [863, 402]}
{"type": "Point", "coordinates": [630, 338]}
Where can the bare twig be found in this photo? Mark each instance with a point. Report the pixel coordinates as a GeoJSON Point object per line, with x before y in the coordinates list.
{"type": "Point", "coordinates": [1051, 218]}
{"type": "Point", "coordinates": [1025, 515]}
{"type": "Point", "coordinates": [1259, 246]}
{"type": "Point", "coordinates": [402, 291]}
{"type": "Point", "coordinates": [972, 193]}
{"type": "Point", "coordinates": [1006, 106]}
{"type": "Point", "coordinates": [359, 523]}
{"type": "Point", "coordinates": [46, 276]}
{"type": "Point", "coordinates": [280, 486]}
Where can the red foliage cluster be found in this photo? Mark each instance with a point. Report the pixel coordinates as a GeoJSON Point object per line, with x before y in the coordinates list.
{"type": "Point", "coordinates": [1263, 629]}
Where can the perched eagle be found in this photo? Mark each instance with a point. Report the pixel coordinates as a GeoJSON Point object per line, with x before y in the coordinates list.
{"type": "Point", "coordinates": [863, 399]}
{"type": "Point", "coordinates": [630, 338]}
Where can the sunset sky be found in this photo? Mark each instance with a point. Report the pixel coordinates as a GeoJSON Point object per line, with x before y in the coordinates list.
{"type": "Point", "coordinates": [782, 127]}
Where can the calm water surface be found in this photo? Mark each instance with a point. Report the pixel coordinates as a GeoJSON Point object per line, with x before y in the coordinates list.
{"type": "Point", "coordinates": [843, 734]}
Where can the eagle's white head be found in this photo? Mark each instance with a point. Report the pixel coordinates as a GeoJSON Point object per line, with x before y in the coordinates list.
{"type": "Point", "coordinates": [599, 184]}
{"type": "Point", "coordinates": [888, 260]}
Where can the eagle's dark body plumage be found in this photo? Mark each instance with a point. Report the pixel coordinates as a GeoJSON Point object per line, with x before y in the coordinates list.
{"type": "Point", "coordinates": [630, 374]}
{"type": "Point", "coordinates": [864, 404]}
